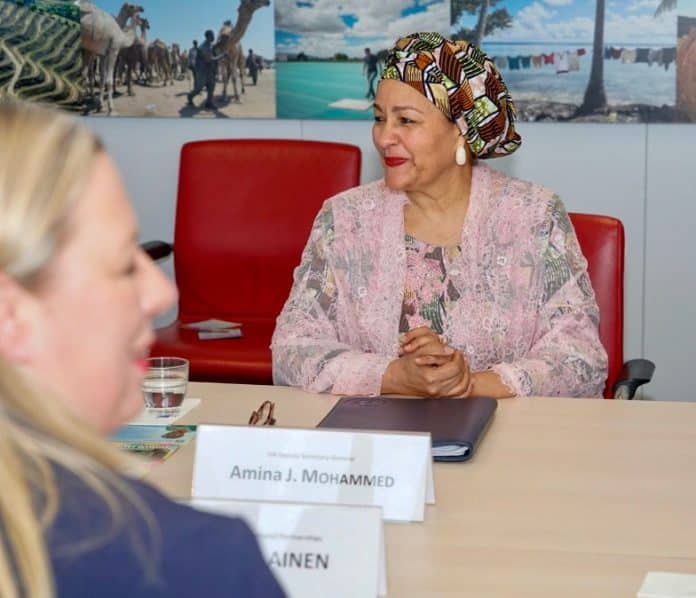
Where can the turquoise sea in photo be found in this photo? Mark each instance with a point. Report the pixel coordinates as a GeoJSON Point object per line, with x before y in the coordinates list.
{"type": "Point", "coordinates": [305, 89]}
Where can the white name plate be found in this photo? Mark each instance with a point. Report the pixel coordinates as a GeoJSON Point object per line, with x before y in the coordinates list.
{"type": "Point", "coordinates": [316, 550]}
{"type": "Point", "coordinates": [663, 584]}
{"type": "Point", "coordinates": [385, 469]}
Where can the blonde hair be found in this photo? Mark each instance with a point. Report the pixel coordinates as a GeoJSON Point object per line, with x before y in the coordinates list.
{"type": "Point", "coordinates": [45, 158]}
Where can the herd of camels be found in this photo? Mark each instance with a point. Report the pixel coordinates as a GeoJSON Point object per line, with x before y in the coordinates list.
{"type": "Point", "coordinates": [116, 48]}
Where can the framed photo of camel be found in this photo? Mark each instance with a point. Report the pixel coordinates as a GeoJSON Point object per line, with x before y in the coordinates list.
{"type": "Point", "coordinates": [206, 59]}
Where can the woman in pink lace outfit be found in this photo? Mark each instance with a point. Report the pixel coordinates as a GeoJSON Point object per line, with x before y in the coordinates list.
{"type": "Point", "coordinates": [445, 278]}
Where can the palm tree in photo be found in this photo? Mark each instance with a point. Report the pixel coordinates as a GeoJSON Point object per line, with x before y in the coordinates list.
{"type": "Point", "coordinates": [664, 6]}
{"type": "Point", "coordinates": [595, 97]}
{"type": "Point", "coordinates": [481, 23]}
{"type": "Point", "coordinates": [486, 21]}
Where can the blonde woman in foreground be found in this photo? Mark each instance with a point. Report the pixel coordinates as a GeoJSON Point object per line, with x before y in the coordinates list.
{"type": "Point", "coordinates": [77, 296]}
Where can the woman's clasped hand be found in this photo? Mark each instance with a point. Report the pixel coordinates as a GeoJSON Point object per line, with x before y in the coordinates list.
{"type": "Point", "coordinates": [428, 366]}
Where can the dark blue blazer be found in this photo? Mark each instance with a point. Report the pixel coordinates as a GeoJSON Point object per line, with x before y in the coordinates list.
{"type": "Point", "coordinates": [199, 554]}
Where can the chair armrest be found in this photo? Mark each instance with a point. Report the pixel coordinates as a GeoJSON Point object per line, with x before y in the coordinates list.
{"type": "Point", "coordinates": [157, 250]}
{"type": "Point", "coordinates": [633, 374]}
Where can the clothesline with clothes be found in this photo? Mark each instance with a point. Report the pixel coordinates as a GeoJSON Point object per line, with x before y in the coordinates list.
{"type": "Point", "coordinates": [660, 56]}
{"type": "Point", "coordinates": [568, 60]}
{"type": "Point", "coordinates": [565, 62]}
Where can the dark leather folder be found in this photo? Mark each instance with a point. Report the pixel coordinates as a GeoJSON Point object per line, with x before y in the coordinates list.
{"type": "Point", "coordinates": [456, 425]}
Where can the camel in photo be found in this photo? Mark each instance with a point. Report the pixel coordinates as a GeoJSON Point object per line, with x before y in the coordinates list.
{"type": "Point", "coordinates": [128, 11]}
{"type": "Point", "coordinates": [175, 60]}
{"type": "Point", "coordinates": [158, 57]}
{"type": "Point", "coordinates": [229, 43]}
{"type": "Point", "coordinates": [135, 56]}
{"type": "Point", "coordinates": [105, 36]}
{"type": "Point", "coordinates": [91, 33]}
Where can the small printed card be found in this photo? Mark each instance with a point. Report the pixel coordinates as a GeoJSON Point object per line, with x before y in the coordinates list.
{"type": "Point", "coordinates": [211, 335]}
{"type": "Point", "coordinates": [155, 443]}
{"type": "Point", "coordinates": [316, 550]}
{"type": "Point", "coordinates": [212, 325]}
{"type": "Point", "coordinates": [391, 470]}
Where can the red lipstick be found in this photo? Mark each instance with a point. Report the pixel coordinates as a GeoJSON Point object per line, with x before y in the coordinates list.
{"type": "Point", "coordinates": [391, 161]}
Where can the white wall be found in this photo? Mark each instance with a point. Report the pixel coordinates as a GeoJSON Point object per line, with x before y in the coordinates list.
{"type": "Point", "coordinates": [643, 174]}
{"type": "Point", "coordinates": [670, 274]}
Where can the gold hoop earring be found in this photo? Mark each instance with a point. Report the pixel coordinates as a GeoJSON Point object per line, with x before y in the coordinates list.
{"type": "Point", "coordinates": [460, 153]}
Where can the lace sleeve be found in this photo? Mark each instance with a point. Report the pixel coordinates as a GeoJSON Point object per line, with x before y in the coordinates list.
{"type": "Point", "coordinates": [307, 351]}
{"type": "Point", "coordinates": [567, 357]}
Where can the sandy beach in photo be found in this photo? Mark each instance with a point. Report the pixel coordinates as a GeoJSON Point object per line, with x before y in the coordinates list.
{"type": "Point", "coordinates": [258, 101]}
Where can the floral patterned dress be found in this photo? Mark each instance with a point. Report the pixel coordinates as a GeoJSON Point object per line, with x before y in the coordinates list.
{"type": "Point", "coordinates": [430, 292]}
{"type": "Point", "coordinates": [514, 295]}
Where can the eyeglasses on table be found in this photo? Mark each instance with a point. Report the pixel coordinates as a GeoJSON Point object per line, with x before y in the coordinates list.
{"type": "Point", "coordinates": [263, 416]}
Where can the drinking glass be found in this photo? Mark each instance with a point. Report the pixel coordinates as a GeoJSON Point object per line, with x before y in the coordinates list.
{"type": "Point", "coordinates": [164, 384]}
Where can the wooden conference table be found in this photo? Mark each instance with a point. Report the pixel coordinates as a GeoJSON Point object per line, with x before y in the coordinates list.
{"type": "Point", "coordinates": [564, 497]}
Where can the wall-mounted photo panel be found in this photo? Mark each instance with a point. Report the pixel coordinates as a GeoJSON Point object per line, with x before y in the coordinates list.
{"type": "Point", "coordinates": [329, 53]}
{"type": "Point", "coordinates": [180, 58]}
{"type": "Point", "coordinates": [40, 52]}
{"type": "Point", "coordinates": [545, 50]}
{"type": "Point", "coordinates": [563, 60]}
{"type": "Point", "coordinates": [146, 59]}
{"type": "Point", "coordinates": [686, 60]}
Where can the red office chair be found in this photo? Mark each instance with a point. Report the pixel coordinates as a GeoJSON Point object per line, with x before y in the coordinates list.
{"type": "Point", "coordinates": [244, 211]}
{"type": "Point", "coordinates": [602, 242]}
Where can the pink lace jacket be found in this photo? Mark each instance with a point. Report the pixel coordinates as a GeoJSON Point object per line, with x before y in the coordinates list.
{"type": "Point", "coordinates": [527, 309]}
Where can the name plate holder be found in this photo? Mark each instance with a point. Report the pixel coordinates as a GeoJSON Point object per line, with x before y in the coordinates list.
{"type": "Point", "coordinates": [316, 550]}
{"type": "Point", "coordinates": [391, 470]}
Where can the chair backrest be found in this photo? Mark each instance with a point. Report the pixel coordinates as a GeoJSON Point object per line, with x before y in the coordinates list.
{"type": "Point", "coordinates": [245, 208]}
{"type": "Point", "coordinates": [602, 242]}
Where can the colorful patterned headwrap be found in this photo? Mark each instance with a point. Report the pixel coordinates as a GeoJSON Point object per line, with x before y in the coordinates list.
{"type": "Point", "coordinates": [463, 83]}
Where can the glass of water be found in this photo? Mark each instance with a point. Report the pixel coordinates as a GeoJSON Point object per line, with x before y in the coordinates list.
{"type": "Point", "coordinates": [164, 384]}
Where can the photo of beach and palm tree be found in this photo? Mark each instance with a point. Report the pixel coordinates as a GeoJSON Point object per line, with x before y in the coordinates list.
{"type": "Point", "coordinates": [580, 60]}
{"type": "Point", "coordinates": [329, 53]}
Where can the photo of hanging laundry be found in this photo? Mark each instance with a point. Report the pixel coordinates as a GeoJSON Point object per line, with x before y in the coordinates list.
{"type": "Point", "coordinates": [546, 53]}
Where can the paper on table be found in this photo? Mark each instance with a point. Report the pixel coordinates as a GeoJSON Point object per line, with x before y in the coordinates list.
{"type": "Point", "coordinates": [661, 584]}
{"type": "Point", "coordinates": [152, 443]}
{"type": "Point", "coordinates": [212, 325]}
{"type": "Point", "coordinates": [450, 450]}
{"type": "Point", "coordinates": [209, 335]}
{"type": "Point", "coordinates": [154, 417]}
